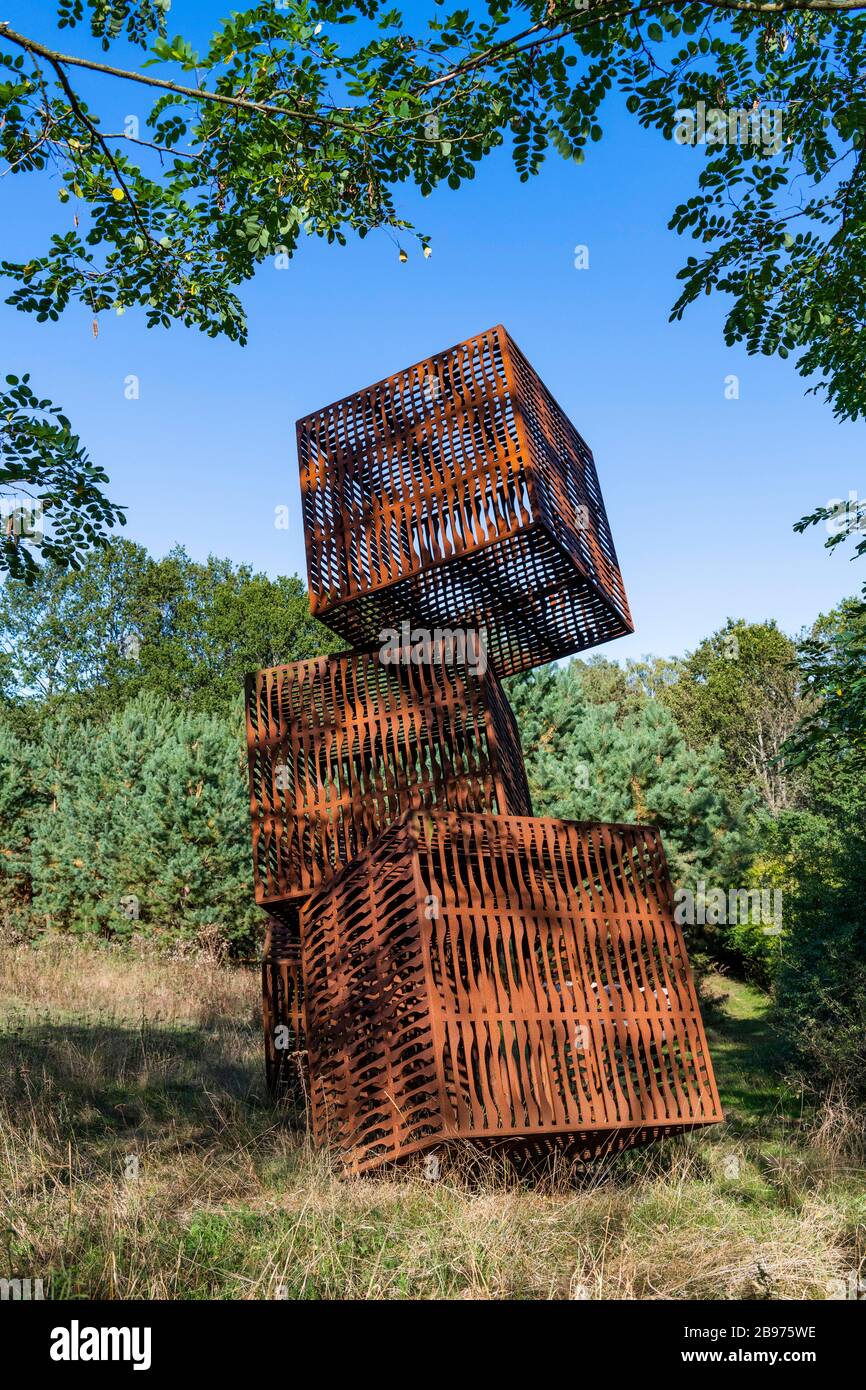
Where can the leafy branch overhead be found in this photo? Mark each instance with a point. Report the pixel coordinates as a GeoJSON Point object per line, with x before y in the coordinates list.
{"type": "Point", "coordinates": [51, 503]}
{"type": "Point", "coordinates": [292, 121]}
{"type": "Point", "coordinates": [833, 655]}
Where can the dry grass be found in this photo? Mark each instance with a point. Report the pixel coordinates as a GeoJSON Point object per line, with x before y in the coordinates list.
{"type": "Point", "coordinates": [139, 1157]}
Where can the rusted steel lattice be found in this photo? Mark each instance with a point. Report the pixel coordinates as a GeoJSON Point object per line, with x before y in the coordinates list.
{"type": "Point", "coordinates": [457, 493]}
{"type": "Point", "coordinates": [339, 746]}
{"type": "Point", "coordinates": [501, 979]}
{"type": "Point", "coordinates": [455, 968]}
{"type": "Point", "coordinates": [283, 1012]}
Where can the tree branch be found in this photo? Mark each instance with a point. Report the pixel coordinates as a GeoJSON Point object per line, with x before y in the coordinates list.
{"type": "Point", "coordinates": [151, 145]}
{"type": "Point", "coordinates": [552, 29]}
{"type": "Point", "coordinates": [197, 93]}
{"type": "Point", "coordinates": [100, 139]}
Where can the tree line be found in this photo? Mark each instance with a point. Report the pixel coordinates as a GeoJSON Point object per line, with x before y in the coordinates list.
{"type": "Point", "coordinates": [123, 788]}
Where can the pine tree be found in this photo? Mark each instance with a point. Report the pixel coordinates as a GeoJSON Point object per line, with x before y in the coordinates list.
{"type": "Point", "coordinates": [596, 761]}
{"type": "Point", "coordinates": [147, 829]}
{"type": "Point", "coordinates": [19, 804]}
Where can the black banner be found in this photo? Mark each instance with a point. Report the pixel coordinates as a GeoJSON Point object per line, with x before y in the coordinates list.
{"type": "Point", "coordinates": [60, 1339]}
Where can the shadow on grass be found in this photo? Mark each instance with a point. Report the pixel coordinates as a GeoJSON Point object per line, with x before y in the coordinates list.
{"type": "Point", "coordinates": [94, 1081]}
{"type": "Point", "coordinates": [108, 1084]}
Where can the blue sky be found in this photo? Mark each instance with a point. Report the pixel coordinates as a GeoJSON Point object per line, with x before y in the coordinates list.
{"type": "Point", "coordinates": [701, 491]}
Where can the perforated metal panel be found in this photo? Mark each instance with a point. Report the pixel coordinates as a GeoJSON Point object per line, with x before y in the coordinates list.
{"type": "Point", "coordinates": [501, 979]}
{"type": "Point", "coordinates": [286, 1069]}
{"type": "Point", "coordinates": [339, 746]}
{"type": "Point", "coordinates": [457, 493]}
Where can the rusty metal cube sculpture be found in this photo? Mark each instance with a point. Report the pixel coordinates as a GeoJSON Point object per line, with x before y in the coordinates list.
{"type": "Point", "coordinates": [283, 1012]}
{"type": "Point", "coordinates": [457, 493]}
{"type": "Point", "coordinates": [340, 745]}
{"type": "Point", "coordinates": [501, 979]}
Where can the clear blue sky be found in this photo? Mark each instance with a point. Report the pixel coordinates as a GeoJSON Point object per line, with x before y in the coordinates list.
{"type": "Point", "coordinates": [701, 491]}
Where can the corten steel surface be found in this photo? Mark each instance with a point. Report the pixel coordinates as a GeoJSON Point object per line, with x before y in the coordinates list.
{"type": "Point", "coordinates": [458, 493]}
{"type": "Point", "coordinates": [339, 746]}
{"type": "Point", "coordinates": [283, 1013]}
{"type": "Point", "coordinates": [501, 979]}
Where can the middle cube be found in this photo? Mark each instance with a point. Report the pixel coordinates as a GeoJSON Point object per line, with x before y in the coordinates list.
{"type": "Point", "coordinates": [340, 746]}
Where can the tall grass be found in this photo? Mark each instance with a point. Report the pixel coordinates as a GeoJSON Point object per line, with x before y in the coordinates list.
{"type": "Point", "coordinates": [141, 1158]}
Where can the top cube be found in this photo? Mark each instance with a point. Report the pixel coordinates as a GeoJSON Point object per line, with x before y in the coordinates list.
{"type": "Point", "coordinates": [457, 494]}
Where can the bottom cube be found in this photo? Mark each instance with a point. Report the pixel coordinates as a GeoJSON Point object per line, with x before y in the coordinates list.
{"type": "Point", "coordinates": [504, 979]}
{"type": "Point", "coordinates": [286, 1070]}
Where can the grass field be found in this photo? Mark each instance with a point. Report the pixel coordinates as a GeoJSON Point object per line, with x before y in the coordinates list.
{"type": "Point", "coordinates": [141, 1158]}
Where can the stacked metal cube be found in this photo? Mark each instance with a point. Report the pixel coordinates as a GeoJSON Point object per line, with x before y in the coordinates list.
{"type": "Point", "coordinates": [440, 964]}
